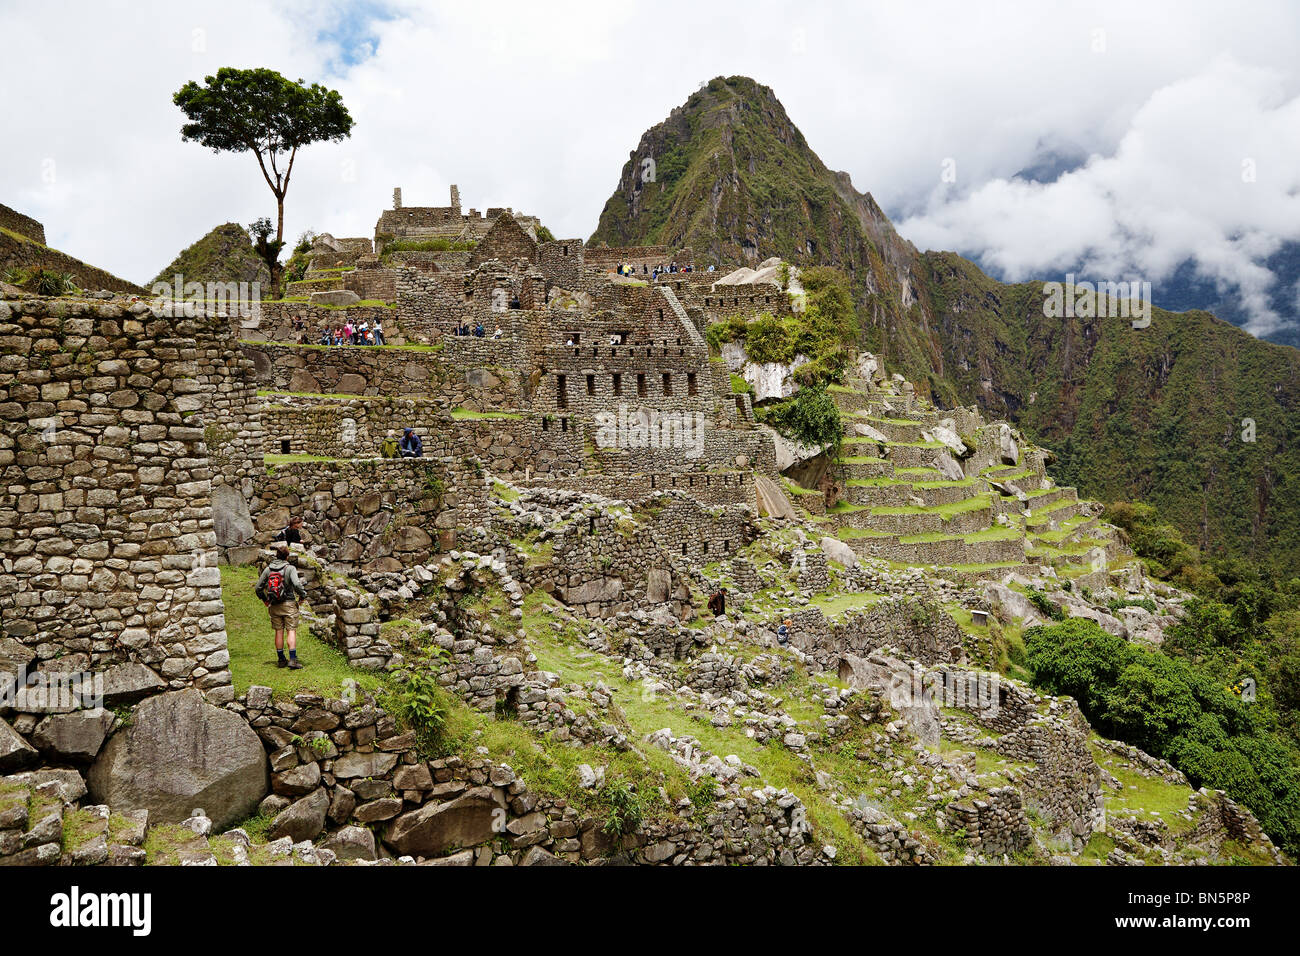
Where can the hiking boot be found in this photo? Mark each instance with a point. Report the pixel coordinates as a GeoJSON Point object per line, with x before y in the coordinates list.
{"type": "Point", "coordinates": [281, 662]}
{"type": "Point", "coordinates": [294, 665]}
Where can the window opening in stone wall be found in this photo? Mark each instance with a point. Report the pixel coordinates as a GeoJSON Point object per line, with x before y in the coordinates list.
{"type": "Point", "coordinates": [640, 385]}
{"type": "Point", "coordinates": [690, 384]}
{"type": "Point", "coordinates": [591, 385]}
{"type": "Point", "coordinates": [618, 383]}
{"type": "Point", "coordinates": [668, 383]}
{"type": "Point", "coordinates": [561, 392]}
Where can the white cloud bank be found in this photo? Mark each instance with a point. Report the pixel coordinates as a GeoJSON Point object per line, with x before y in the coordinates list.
{"type": "Point", "coordinates": [536, 106]}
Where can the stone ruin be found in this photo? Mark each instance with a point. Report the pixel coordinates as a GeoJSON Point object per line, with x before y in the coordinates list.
{"type": "Point", "coordinates": [141, 450]}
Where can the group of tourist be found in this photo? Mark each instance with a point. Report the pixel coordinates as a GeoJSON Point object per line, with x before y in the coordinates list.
{"type": "Point", "coordinates": [349, 334]}
{"type": "Point", "coordinates": [409, 446]}
{"type": "Point", "coordinates": [478, 332]}
{"type": "Point", "coordinates": [629, 271]}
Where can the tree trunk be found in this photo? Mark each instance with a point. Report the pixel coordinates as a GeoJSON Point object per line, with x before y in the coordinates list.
{"type": "Point", "coordinates": [276, 271]}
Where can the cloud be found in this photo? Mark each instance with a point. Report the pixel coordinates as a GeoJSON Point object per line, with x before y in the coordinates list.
{"type": "Point", "coordinates": [1149, 108]}
{"type": "Point", "coordinates": [1202, 174]}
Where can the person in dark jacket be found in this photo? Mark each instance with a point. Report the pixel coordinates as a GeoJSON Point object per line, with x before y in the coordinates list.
{"type": "Point", "coordinates": [290, 533]}
{"type": "Point", "coordinates": [410, 446]}
{"type": "Point", "coordinates": [280, 589]}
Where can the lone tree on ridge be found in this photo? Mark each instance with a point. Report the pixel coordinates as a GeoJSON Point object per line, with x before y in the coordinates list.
{"type": "Point", "coordinates": [260, 111]}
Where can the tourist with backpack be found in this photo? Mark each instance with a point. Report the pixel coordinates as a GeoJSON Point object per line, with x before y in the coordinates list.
{"type": "Point", "coordinates": [279, 589]}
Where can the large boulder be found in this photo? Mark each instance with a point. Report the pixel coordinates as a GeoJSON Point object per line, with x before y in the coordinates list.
{"type": "Point", "coordinates": [901, 685]}
{"type": "Point", "coordinates": [75, 737]}
{"type": "Point", "coordinates": [474, 817]}
{"type": "Point", "coordinates": [772, 500]}
{"type": "Point", "coordinates": [303, 819]}
{"type": "Point", "coordinates": [1008, 450]}
{"type": "Point", "coordinates": [126, 683]}
{"type": "Point", "coordinates": [15, 753]}
{"type": "Point", "coordinates": [945, 432]}
{"type": "Point", "coordinates": [335, 297]}
{"type": "Point", "coordinates": [179, 752]}
{"type": "Point", "coordinates": [836, 550]}
{"type": "Point", "coordinates": [230, 518]}
{"type": "Point", "coordinates": [352, 843]}
{"type": "Point", "coordinates": [1012, 606]}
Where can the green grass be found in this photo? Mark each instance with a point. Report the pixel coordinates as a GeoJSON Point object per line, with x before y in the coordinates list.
{"type": "Point", "coordinates": [465, 414]}
{"type": "Point", "coordinates": [336, 396]}
{"type": "Point", "coordinates": [976, 503]}
{"type": "Point", "coordinates": [272, 460]}
{"type": "Point", "coordinates": [835, 605]}
{"type": "Point", "coordinates": [995, 533]}
{"type": "Point", "coordinates": [252, 647]}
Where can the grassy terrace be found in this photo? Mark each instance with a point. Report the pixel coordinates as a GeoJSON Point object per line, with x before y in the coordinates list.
{"type": "Point", "coordinates": [881, 481]}
{"type": "Point", "coordinates": [974, 503]}
{"type": "Point", "coordinates": [272, 460]}
{"type": "Point", "coordinates": [465, 414]}
{"type": "Point", "coordinates": [996, 533]}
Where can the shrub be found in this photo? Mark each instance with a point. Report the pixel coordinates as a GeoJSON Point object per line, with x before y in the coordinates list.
{"type": "Point", "coordinates": [811, 417]}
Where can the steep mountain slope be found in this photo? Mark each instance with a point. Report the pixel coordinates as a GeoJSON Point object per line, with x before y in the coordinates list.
{"type": "Point", "coordinates": [224, 255]}
{"type": "Point", "coordinates": [1154, 413]}
{"type": "Point", "coordinates": [735, 180]}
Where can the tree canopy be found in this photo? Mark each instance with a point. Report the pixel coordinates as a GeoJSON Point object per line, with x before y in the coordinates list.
{"type": "Point", "coordinates": [266, 114]}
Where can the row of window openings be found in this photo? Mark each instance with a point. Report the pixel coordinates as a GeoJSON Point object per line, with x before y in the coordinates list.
{"type": "Point", "coordinates": [642, 390]}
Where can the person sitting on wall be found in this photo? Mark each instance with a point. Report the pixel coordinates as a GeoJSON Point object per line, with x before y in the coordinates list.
{"type": "Point", "coordinates": [388, 447]}
{"type": "Point", "coordinates": [410, 445]}
{"type": "Point", "coordinates": [497, 333]}
{"type": "Point", "coordinates": [783, 633]}
{"type": "Point", "coordinates": [718, 602]}
{"type": "Point", "coordinates": [290, 533]}
{"type": "Point", "coordinates": [279, 588]}
{"type": "Point", "coordinates": [478, 331]}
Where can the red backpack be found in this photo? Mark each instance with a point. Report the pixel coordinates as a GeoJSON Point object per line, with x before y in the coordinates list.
{"type": "Point", "coordinates": [277, 587]}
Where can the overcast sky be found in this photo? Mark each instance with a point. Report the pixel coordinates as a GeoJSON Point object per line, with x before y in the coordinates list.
{"type": "Point", "coordinates": [1164, 131]}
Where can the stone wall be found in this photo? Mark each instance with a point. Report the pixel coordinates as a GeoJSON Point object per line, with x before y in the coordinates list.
{"type": "Point", "coordinates": [347, 772]}
{"type": "Point", "coordinates": [918, 628]}
{"type": "Point", "coordinates": [105, 519]}
{"type": "Point", "coordinates": [19, 252]}
{"type": "Point", "coordinates": [377, 514]}
{"type": "Point", "coordinates": [15, 221]}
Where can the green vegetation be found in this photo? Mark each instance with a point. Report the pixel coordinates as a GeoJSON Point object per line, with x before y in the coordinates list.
{"type": "Point", "coordinates": [1174, 708]}
{"type": "Point", "coordinates": [811, 417]}
{"type": "Point", "coordinates": [824, 332]}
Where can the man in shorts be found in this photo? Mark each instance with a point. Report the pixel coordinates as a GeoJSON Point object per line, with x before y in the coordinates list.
{"type": "Point", "coordinates": [279, 588]}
